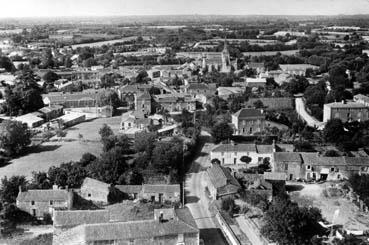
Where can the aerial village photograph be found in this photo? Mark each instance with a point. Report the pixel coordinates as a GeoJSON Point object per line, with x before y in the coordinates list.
{"type": "Point", "coordinates": [184, 122]}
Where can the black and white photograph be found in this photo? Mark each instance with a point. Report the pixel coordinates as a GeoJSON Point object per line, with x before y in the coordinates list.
{"type": "Point", "coordinates": [184, 122]}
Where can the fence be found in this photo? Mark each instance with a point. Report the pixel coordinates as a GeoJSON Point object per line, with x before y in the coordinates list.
{"type": "Point", "coordinates": [226, 229]}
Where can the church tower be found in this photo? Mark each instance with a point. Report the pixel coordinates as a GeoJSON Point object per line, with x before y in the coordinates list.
{"type": "Point", "coordinates": [226, 60]}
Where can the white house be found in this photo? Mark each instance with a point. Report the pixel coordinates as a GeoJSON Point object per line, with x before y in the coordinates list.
{"type": "Point", "coordinates": [230, 155]}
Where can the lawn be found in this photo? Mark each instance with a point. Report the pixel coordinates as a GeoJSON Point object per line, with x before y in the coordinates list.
{"type": "Point", "coordinates": [48, 154]}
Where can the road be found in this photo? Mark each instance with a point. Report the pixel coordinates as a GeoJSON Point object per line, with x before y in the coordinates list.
{"type": "Point", "coordinates": [198, 202]}
{"type": "Point", "coordinates": [301, 110]}
{"type": "Point", "coordinates": [249, 232]}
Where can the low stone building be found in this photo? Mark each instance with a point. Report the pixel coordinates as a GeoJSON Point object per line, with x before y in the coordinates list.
{"type": "Point", "coordinates": [346, 111]}
{"type": "Point", "coordinates": [221, 183]}
{"type": "Point", "coordinates": [41, 202]}
{"type": "Point", "coordinates": [155, 193]}
{"type": "Point", "coordinates": [95, 191]}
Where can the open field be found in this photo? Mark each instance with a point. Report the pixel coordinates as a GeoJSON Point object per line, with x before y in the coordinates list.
{"type": "Point", "coordinates": [349, 214]}
{"type": "Point", "coordinates": [54, 153]}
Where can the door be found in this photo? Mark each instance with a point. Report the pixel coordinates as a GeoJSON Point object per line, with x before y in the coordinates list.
{"type": "Point", "coordinates": [33, 212]}
{"type": "Point", "coordinates": [291, 176]}
{"type": "Point", "coordinates": [160, 197]}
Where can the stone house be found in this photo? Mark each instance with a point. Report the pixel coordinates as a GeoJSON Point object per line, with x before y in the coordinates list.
{"type": "Point", "coordinates": [95, 191]}
{"type": "Point", "coordinates": [143, 103]}
{"type": "Point", "coordinates": [289, 163]}
{"type": "Point", "coordinates": [155, 193]}
{"type": "Point", "coordinates": [41, 202]}
{"type": "Point", "coordinates": [346, 111]}
{"type": "Point", "coordinates": [248, 121]}
{"type": "Point", "coordinates": [221, 183]}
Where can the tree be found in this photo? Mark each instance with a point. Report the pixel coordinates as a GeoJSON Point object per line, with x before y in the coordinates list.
{"type": "Point", "coordinates": [67, 174]}
{"type": "Point", "coordinates": [286, 223]}
{"type": "Point", "coordinates": [50, 77]}
{"type": "Point", "coordinates": [25, 96]}
{"type": "Point", "coordinates": [145, 142]}
{"type": "Point", "coordinates": [61, 133]}
{"type": "Point", "coordinates": [215, 161]}
{"type": "Point", "coordinates": [296, 85]}
{"type": "Point", "coordinates": [10, 188]}
{"type": "Point", "coordinates": [47, 59]}
{"type": "Point", "coordinates": [258, 104]}
{"type": "Point", "coordinates": [108, 97]}
{"type": "Point", "coordinates": [105, 131]}
{"type": "Point", "coordinates": [6, 63]}
{"type": "Point", "coordinates": [14, 137]}
{"type": "Point", "coordinates": [333, 131]}
{"type": "Point", "coordinates": [221, 131]}
{"type": "Point", "coordinates": [40, 181]}
{"type": "Point", "coordinates": [142, 77]}
{"type": "Point", "coordinates": [246, 159]}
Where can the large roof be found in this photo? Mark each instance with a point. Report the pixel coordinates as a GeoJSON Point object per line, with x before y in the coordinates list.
{"type": "Point", "coordinates": [287, 157]}
{"type": "Point", "coordinates": [42, 195]}
{"type": "Point", "coordinates": [161, 188]}
{"type": "Point", "coordinates": [129, 188]}
{"type": "Point", "coordinates": [143, 229]}
{"type": "Point", "coordinates": [67, 218]}
{"type": "Point", "coordinates": [249, 113]}
{"type": "Point", "coordinates": [244, 148]}
{"type": "Point", "coordinates": [221, 177]}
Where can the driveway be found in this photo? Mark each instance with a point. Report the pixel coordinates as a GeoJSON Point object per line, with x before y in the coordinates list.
{"type": "Point", "coordinates": [197, 200]}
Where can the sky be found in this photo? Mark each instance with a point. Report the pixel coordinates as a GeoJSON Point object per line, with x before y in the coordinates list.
{"type": "Point", "coordinates": [49, 8]}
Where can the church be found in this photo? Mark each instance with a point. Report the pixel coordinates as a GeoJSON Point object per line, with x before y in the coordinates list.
{"type": "Point", "coordinates": [218, 61]}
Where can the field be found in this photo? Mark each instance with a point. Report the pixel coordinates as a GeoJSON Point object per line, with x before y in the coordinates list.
{"type": "Point", "coordinates": [111, 42]}
{"type": "Point", "coordinates": [349, 214]}
{"type": "Point", "coordinates": [48, 154]}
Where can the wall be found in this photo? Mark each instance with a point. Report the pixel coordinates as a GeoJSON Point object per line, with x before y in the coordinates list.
{"type": "Point", "coordinates": [227, 231]}
{"type": "Point", "coordinates": [256, 125]}
{"type": "Point", "coordinates": [96, 195]}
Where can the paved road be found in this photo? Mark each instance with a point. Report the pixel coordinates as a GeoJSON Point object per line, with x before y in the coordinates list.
{"type": "Point", "coordinates": [301, 110]}
{"type": "Point", "coordinates": [197, 201]}
{"type": "Point", "coordinates": [249, 232]}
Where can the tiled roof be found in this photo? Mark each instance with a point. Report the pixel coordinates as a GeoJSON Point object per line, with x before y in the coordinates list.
{"type": "Point", "coordinates": [249, 113]}
{"type": "Point", "coordinates": [221, 177]}
{"type": "Point", "coordinates": [143, 229]}
{"type": "Point", "coordinates": [197, 86]}
{"type": "Point", "coordinates": [243, 148]}
{"type": "Point", "coordinates": [69, 97]}
{"type": "Point", "coordinates": [345, 105]}
{"type": "Point", "coordinates": [235, 148]}
{"type": "Point", "coordinates": [287, 157]}
{"type": "Point", "coordinates": [78, 217]}
{"type": "Point", "coordinates": [129, 189]}
{"type": "Point", "coordinates": [42, 195]}
{"type": "Point", "coordinates": [171, 189]}
{"type": "Point", "coordinates": [289, 67]}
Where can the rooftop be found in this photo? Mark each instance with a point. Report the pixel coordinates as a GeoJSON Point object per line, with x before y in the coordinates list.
{"type": "Point", "coordinates": [345, 105]}
{"type": "Point", "coordinates": [287, 157]}
{"type": "Point", "coordinates": [43, 195]}
{"type": "Point", "coordinates": [247, 113]}
{"type": "Point", "coordinates": [67, 218]}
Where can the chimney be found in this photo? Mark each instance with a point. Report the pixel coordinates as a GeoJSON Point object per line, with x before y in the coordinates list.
{"type": "Point", "coordinates": [55, 187]}
{"type": "Point", "coordinates": [161, 217]}
{"type": "Point", "coordinates": [20, 189]}
{"type": "Point", "coordinates": [343, 102]}
{"type": "Point", "coordinates": [273, 145]}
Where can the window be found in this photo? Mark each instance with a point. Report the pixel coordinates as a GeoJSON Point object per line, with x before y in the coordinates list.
{"type": "Point", "coordinates": [308, 167]}
{"type": "Point", "coordinates": [51, 202]}
{"type": "Point", "coordinates": [260, 159]}
{"type": "Point", "coordinates": [235, 160]}
{"type": "Point", "coordinates": [32, 202]}
{"type": "Point", "coordinates": [286, 167]}
{"type": "Point", "coordinates": [89, 194]}
{"type": "Point", "coordinates": [338, 176]}
{"type": "Point", "coordinates": [332, 169]}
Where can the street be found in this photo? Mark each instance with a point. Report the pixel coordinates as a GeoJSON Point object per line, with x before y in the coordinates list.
{"type": "Point", "coordinates": [198, 202]}
{"type": "Point", "coordinates": [311, 121]}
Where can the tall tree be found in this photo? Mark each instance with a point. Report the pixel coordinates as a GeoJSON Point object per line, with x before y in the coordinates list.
{"type": "Point", "coordinates": [14, 137]}
{"type": "Point", "coordinates": [221, 131]}
{"type": "Point", "coordinates": [10, 188]}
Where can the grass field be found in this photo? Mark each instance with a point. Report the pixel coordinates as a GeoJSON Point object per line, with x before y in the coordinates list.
{"type": "Point", "coordinates": [48, 154]}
